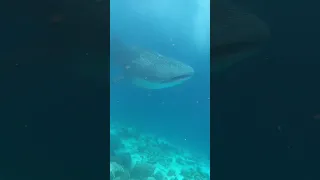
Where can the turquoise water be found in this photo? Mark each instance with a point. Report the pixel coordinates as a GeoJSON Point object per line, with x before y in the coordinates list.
{"type": "Point", "coordinates": [178, 29]}
{"type": "Point", "coordinates": [184, 108]}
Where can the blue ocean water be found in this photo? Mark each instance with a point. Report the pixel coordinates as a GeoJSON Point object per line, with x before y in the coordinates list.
{"type": "Point", "coordinates": [178, 29]}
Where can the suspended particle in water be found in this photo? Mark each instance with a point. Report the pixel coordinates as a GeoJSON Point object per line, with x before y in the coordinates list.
{"type": "Point", "coordinates": [127, 67]}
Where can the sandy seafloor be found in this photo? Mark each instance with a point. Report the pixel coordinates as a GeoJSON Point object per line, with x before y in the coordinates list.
{"type": "Point", "coordinates": [136, 155]}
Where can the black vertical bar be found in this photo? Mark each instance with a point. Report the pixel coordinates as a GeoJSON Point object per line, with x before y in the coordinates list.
{"type": "Point", "coordinates": [54, 97]}
{"type": "Point", "coordinates": [265, 109]}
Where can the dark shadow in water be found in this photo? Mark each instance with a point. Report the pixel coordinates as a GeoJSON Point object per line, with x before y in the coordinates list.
{"type": "Point", "coordinates": [263, 110]}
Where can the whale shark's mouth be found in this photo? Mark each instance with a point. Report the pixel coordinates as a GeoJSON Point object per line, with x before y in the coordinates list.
{"type": "Point", "coordinates": [144, 83]}
{"type": "Point", "coordinates": [178, 78]}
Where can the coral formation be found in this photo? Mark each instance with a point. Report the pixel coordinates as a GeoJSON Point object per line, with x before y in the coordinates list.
{"type": "Point", "coordinates": [142, 170]}
{"type": "Point", "coordinates": [158, 176]}
{"type": "Point", "coordinates": [171, 172]}
{"type": "Point", "coordinates": [150, 178]}
{"type": "Point", "coordinates": [139, 156]}
{"type": "Point", "coordinates": [128, 132]}
{"type": "Point", "coordinates": [122, 158]}
{"type": "Point", "coordinates": [115, 170]}
{"type": "Point", "coordinates": [115, 143]}
{"type": "Point", "coordinates": [194, 174]}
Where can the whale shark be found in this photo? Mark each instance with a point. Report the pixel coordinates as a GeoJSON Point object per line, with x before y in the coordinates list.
{"type": "Point", "coordinates": [236, 36]}
{"type": "Point", "coordinates": [148, 69]}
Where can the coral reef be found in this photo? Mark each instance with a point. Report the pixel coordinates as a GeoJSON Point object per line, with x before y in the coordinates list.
{"type": "Point", "coordinates": [171, 172]}
{"type": "Point", "coordinates": [139, 156]}
{"type": "Point", "coordinates": [194, 174]}
{"type": "Point", "coordinates": [115, 170]}
{"type": "Point", "coordinates": [150, 178]}
{"type": "Point", "coordinates": [158, 176]}
{"type": "Point", "coordinates": [115, 143]}
{"type": "Point", "coordinates": [128, 132]}
{"type": "Point", "coordinates": [122, 158]}
{"type": "Point", "coordinates": [142, 170]}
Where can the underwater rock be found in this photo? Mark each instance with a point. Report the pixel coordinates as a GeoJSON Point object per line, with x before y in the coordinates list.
{"type": "Point", "coordinates": [116, 170]}
{"type": "Point", "coordinates": [141, 149]}
{"type": "Point", "coordinates": [166, 147]}
{"type": "Point", "coordinates": [189, 162]}
{"type": "Point", "coordinates": [115, 143]}
{"type": "Point", "coordinates": [125, 175]}
{"type": "Point", "coordinates": [116, 159]}
{"type": "Point", "coordinates": [152, 160]}
{"type": "Point", "coordinates": [142, 170]}
{"type": "Point", "coordinates": [163, 163]}
{"type": "Point", "coordinates": [171, 173]}
{"type": "Point", "coordinates": [123, 159]}
{"type": "Point", "coordinates": [187, 174]}
{"type": "Point", "coordinates": [180, 161]}
{"type": "Point", "coordinates": [195, 174]}
{"type": "Point", "coordinates": [150, 178]}
{"type": "Point", "coordinates": [154, 150]}
{"type": "Point", "coordinates": [129, 133]}
{"type": "Point", "coordinates": [150, 141]}
{"type": "Point", "coordinates": [158, 176]}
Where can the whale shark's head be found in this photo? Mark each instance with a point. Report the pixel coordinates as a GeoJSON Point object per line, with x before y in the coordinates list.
{"type": "Point", "coordinates": [158, 73]}
{"type": "Point", "coordinates": [236, 34]}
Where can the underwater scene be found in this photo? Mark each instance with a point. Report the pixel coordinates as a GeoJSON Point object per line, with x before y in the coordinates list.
{"type": "Point", "coordinates": [160, 90]}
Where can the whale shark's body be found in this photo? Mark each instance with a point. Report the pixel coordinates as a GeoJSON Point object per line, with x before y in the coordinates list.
{"type": "Point", "coordinates": [149, 69]}
{"type": "Point", "coordinates": [236, 35]}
